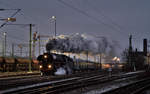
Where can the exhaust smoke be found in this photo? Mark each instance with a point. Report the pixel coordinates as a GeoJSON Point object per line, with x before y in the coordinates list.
{"type": "Point", "coordinates": [79, 43]}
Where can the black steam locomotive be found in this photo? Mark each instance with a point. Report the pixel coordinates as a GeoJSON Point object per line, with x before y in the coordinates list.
{"type": "Point", "coordinates": [55, 64]}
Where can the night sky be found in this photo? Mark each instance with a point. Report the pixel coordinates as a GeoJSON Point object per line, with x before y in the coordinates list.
{"type": "Point", "coordinates": [114, 19]}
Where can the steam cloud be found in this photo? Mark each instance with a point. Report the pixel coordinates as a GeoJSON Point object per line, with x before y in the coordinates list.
{"type": "Point", "coordinates": [78, 43]}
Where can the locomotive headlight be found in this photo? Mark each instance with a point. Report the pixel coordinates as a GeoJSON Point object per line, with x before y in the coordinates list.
{"type": "Point", "coordinates": [45, 56]}
{"type": "Point", "coordinates": [49, 66]}
{"type": "Point", "coordinates": [40, 66]}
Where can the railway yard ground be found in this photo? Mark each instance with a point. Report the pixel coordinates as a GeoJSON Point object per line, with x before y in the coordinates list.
{"type": "Point", "coordinates": [96, 82]}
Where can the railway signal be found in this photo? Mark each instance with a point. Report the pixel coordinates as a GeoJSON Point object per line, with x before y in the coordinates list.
{"type": "Point", "coordinates": [34, 41]}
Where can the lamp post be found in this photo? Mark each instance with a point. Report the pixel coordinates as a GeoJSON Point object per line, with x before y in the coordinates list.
{"type": "Point", "coordinates": [4, 44]}
{"type": "Point", "coordinates": [9, 19]}
{"type": "Point", "coordinates": [53, 18]}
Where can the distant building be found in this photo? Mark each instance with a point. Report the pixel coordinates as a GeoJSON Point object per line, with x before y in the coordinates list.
{"type": "Point", "coordinates": [136, 59]}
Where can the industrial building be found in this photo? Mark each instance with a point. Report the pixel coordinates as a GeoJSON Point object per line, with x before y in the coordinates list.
{"type": "Point", "coordinates": [136, 60]}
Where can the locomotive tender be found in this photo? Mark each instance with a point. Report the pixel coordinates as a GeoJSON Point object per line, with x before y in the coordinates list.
{"type": "Point", "coordinates": [50, 64]}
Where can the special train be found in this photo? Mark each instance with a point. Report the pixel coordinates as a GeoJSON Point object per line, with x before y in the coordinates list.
{"type": "Point", "coordinates": [53, 64]}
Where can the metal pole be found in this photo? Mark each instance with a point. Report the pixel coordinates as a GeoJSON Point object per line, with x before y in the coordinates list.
{"type": "Point", "coordinates": [34, 41]}
{"type": "Point", "coordinates": [33, 53]}
{"type": "Point", "coordinates": [100, 57]}
{"type": "Point", "coordinates": [100, 60]}
{"type": "Point", "coordinates": [39, 45]}
{"type": "Point", "coordinates": [5, 44]}
{"type": "Point", "coordinates": [3, 48]}
{"type": "Point", "coordinates": [87, 56]}
{"type": "Point", "coordinates": [12, 50]}
{"type": "Point", "coordinates": [55, 28]}
{"type": "Point", "coordinates": [21, 51]}
{"type": "Point", "coordinates": [30, 48]}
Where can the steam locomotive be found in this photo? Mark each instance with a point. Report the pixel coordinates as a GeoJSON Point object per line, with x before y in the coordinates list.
{"type": "Point", "coordinates": [57, 64]}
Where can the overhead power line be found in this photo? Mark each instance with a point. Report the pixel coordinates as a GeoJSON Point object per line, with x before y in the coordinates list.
{"type": "Point", "coordinates": [17, 38]}
{"type": "Point", "coordinates": [17, 10]}
{"type": "Point", "coordinates": [103, 15]}
{"type": "Point", "coordinates": [11, 6]}
{"type": "Point", "coordinates": [88, 15]}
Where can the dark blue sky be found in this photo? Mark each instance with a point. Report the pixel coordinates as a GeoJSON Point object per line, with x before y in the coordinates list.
{"type": "Point", "coordinates": [115, 19]}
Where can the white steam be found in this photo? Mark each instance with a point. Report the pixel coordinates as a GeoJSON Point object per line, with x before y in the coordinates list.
{"type": "Point", "coordinates": [60, 71]}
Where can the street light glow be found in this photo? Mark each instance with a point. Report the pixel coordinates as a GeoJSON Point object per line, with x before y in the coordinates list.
{"type": "Point", "coordinates": [11, 19]}
{"type": "Point", "coordinates": [4, 33]}
{"type": "Point", "coordinates": [53, 17]}
{"type": "Point", "coordinates": [118, 59]}
{"type": "Point", "coordinates": [115, 58]}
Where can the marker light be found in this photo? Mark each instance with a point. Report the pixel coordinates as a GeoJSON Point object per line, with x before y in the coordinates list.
{"type": "Point", "coordinates": [45, 56]}
{"type": "Point", "coordinates": [49, 66]}
{"type": "Point", "coordinates": [40, 66]}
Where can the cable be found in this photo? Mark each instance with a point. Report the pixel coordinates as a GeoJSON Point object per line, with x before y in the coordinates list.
{"type": "Point", "coordinates": [13, 37]}
{"type": "Point", "coordinates": [19, 12]}
{"type": "Point", "coordinates": [25, 17]}
{"type": "Point", "coordinates": [16, 38]}
{"type": "Point", "coordinates": [88, 15]}
{"type": "Point", "coordinates": [103, 15]}
{"type": "Point", "coordinates": [10, 17]}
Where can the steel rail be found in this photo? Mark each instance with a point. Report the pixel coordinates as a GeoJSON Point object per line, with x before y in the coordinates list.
{"type": "Point", "coordinates": [67, 84]}
{"type": "Point", "coordinates": [129, 88]}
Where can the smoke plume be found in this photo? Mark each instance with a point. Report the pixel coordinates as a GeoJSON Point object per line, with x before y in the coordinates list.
{"type": "Point", "coordinates": [78, 43]}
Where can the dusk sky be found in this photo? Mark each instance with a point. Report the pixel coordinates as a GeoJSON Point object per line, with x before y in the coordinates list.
{"type": "Point", "coordinates": [114, 19]}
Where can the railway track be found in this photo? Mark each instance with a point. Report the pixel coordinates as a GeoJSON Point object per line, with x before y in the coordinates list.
{"type": "Point", "coordinates": [17, 81]}
{"type": "Point", "coordinates": [142, 89]}
{"type": "Point", "coordinates": [66, 84]}
{"type": "Point", "coordinates": [135, 87]}
{"type": "Point", "coordinates": [48, 86]}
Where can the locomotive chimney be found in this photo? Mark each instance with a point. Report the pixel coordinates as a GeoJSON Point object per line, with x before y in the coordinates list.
{"type": "Point", "coordinates": [145, 46]}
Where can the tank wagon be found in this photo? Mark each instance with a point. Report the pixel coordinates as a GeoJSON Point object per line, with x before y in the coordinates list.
{"type": "Point", "coordinates": [10, 64]}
